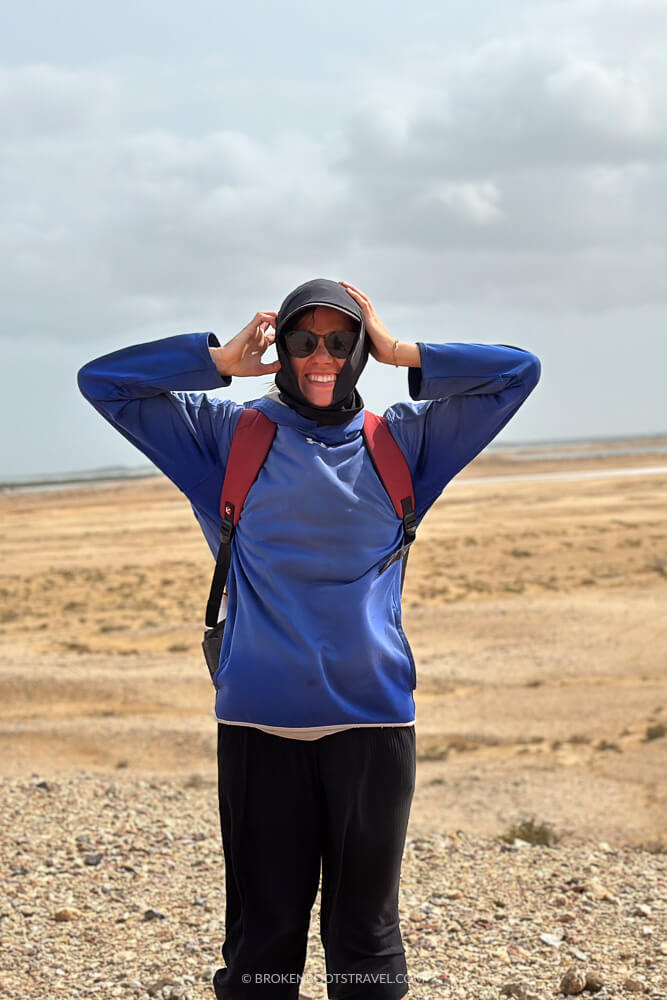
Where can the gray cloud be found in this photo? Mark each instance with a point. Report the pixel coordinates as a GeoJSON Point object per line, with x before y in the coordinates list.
{"type": "Point", "coordinates": [44, 102]}
{"type": "Point", "coordinates": [486, 173]}
{"type": "Point", "coordinates": [525, 171]}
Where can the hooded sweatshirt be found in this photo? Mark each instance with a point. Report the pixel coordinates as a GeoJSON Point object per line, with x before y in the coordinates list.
{"type": "Point", "coordinates": [313, 641]}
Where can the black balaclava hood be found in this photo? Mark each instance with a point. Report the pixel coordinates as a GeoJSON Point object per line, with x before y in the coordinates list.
{"type": "Point", "coordinates": [346, 400]}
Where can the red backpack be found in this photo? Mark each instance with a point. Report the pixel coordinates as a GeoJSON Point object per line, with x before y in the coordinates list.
{"type": "Point", "coordinates": [250, 445]}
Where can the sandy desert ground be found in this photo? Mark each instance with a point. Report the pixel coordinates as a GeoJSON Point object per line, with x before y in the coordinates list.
{"type": "Point", "coordinates": [535, 603]}
{"type": "Point", "coordinates": [536, 607]}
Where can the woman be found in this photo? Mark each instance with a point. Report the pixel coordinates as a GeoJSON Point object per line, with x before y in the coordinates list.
{"type": "Point", "coordinates": [314, 689]}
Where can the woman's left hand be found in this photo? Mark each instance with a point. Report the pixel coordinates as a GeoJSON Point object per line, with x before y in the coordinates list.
{"type": "Point", "coordinates": [384, 347]}
{"type": "Point", "coordinates": [382, 342]}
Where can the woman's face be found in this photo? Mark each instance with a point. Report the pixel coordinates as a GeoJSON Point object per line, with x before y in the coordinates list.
{"type": "Point", "coordinates": [317, 373]}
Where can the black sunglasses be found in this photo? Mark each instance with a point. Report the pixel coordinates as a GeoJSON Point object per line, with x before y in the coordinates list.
{"type": "Point", "coordinates": [302, 343]}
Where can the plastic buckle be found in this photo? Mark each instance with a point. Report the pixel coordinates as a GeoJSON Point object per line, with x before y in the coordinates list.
{"type": "Point", "coordinates": [226, 531]}
{"type": "Point", "coordinates": [410, 526]}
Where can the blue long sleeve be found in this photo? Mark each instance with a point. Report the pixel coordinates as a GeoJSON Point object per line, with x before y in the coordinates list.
{"type": "Point", "coordinates": [146, 392]}
{"type": "Point", "coordinates": [472, 391]}
{"type": "Point", "coordinates": [313, 636]}
{"type": "Point", "coordinates": [154, 394]}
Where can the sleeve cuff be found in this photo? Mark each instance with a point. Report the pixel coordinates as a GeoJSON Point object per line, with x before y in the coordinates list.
{"type": "Point", "coordinates": [214, 342]}
{"type": "Point", "coordinates": [415, 377]}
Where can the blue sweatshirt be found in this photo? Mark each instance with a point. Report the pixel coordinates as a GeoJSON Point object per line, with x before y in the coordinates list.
{"type": "Point", "coordinates": [313, 638]}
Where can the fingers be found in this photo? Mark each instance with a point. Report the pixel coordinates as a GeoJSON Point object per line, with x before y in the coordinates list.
{"type": "Point", "coordinates": [355, 293]}
{"type": "Point", "coordinates": [259, 322]}
{"type": "Point", "coordinates": [263, 340]}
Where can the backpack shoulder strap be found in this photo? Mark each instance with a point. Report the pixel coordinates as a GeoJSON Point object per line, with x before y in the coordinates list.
{"type": "Point", "coordinates": [251, 444]}
{"type": "Point", "coordinates": [394, 474]}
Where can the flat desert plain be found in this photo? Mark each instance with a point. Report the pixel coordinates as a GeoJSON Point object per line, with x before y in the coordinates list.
{"type": "Point", "coordinates": [535, 604]}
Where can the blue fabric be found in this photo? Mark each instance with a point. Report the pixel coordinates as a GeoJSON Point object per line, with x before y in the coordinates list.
{"type": "Point", "coordinates": [313, 634]}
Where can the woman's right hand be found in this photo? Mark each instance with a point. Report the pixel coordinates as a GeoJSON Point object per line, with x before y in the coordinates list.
{"type": "Point", "coordinates": [241, 356]}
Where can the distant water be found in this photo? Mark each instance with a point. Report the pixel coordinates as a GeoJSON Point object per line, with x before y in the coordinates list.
{"type": "Point", "coordinates": [60, 480]}
{"type": "Point", "coordinates": [535, 451]}
{"type": "Point", "coordinates": [560, 453]}
{"type": "Point", "coordinates": [534, 477]}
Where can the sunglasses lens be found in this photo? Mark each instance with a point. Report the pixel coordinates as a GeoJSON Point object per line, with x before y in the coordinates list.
{"type": "Point", "coordinates": [300, 343]}
{"type": "Point", "coordinates": [341, 343]}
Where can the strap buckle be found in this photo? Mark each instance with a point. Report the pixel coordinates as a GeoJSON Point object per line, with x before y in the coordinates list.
{"type": "Point", "coordinates": [410, 526]}
{"type": "Point", "coordinates": [409, 534]}
{"type": "Point", "coordinates": [227, 524]}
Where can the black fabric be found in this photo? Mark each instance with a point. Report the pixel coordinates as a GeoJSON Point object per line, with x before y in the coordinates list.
{"type": "Point", "coordinates": [220, 573]}
{"type": "Point", "coordinates": [346, 401]}
{"type": "Point", "coordinates": [212, 646]}
{"type": "Point", "coordinates": [288, 805]}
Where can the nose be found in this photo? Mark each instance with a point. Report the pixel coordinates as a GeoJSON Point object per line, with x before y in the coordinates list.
{"type": "Point", "coordinates": [321, 352]}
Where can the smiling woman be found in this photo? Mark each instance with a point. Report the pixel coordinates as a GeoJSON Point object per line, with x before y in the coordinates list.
{"type": "Point", "coordinates": [315, 677]}
{"type": "Point", "coordinates": [317, 371]}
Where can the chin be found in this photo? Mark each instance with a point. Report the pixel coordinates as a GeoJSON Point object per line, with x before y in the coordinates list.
{"type": "Point", "coordinates": [322, 403]}
{"type": "Point", "coordinates": [318, 398]}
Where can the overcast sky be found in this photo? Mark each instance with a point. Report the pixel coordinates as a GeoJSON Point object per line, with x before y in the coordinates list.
{"type": "Point", "coordinates": [489, 172]}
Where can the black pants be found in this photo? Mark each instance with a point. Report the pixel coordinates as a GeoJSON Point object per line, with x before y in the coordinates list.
{"type": "Point", "coordinates": [285, 807]}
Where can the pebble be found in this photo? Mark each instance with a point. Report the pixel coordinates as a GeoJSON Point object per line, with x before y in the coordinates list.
{"type": "Point", "coordinates": [574, 981]}
{"type": "Point", "coordinates": [599, 891]}
{"type": "Point", "coordinates": [427, 976]}
{"type": "Point", "coordinates": [157, 988]}
{"type": "Point", "coordinates": [518, 990]}
{"type": "Point", "coordinates": [470, 913]}
{"type": "Point", "coordinates": [553, 940]}
{"type": "Point", "coordinates": [67, 913]}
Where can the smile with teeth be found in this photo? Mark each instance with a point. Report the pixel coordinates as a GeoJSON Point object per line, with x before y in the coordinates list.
{"type": "Point", "coordinates": [321, 378]}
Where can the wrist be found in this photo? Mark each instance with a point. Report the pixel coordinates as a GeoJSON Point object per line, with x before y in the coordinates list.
{"type": "Point", "coordinates": [217, 354]}
{"type": "Point", "coordinates": [406, 355]}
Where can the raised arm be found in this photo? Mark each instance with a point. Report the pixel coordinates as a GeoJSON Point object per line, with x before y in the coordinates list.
{"type": "Point", "coordinates": [470, 391]}
{"type": "Point", "coordinates": [146, 393]}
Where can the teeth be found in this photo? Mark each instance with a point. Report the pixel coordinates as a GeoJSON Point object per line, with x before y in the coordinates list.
{"type": "Point", "coordinates": [321, 378]}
